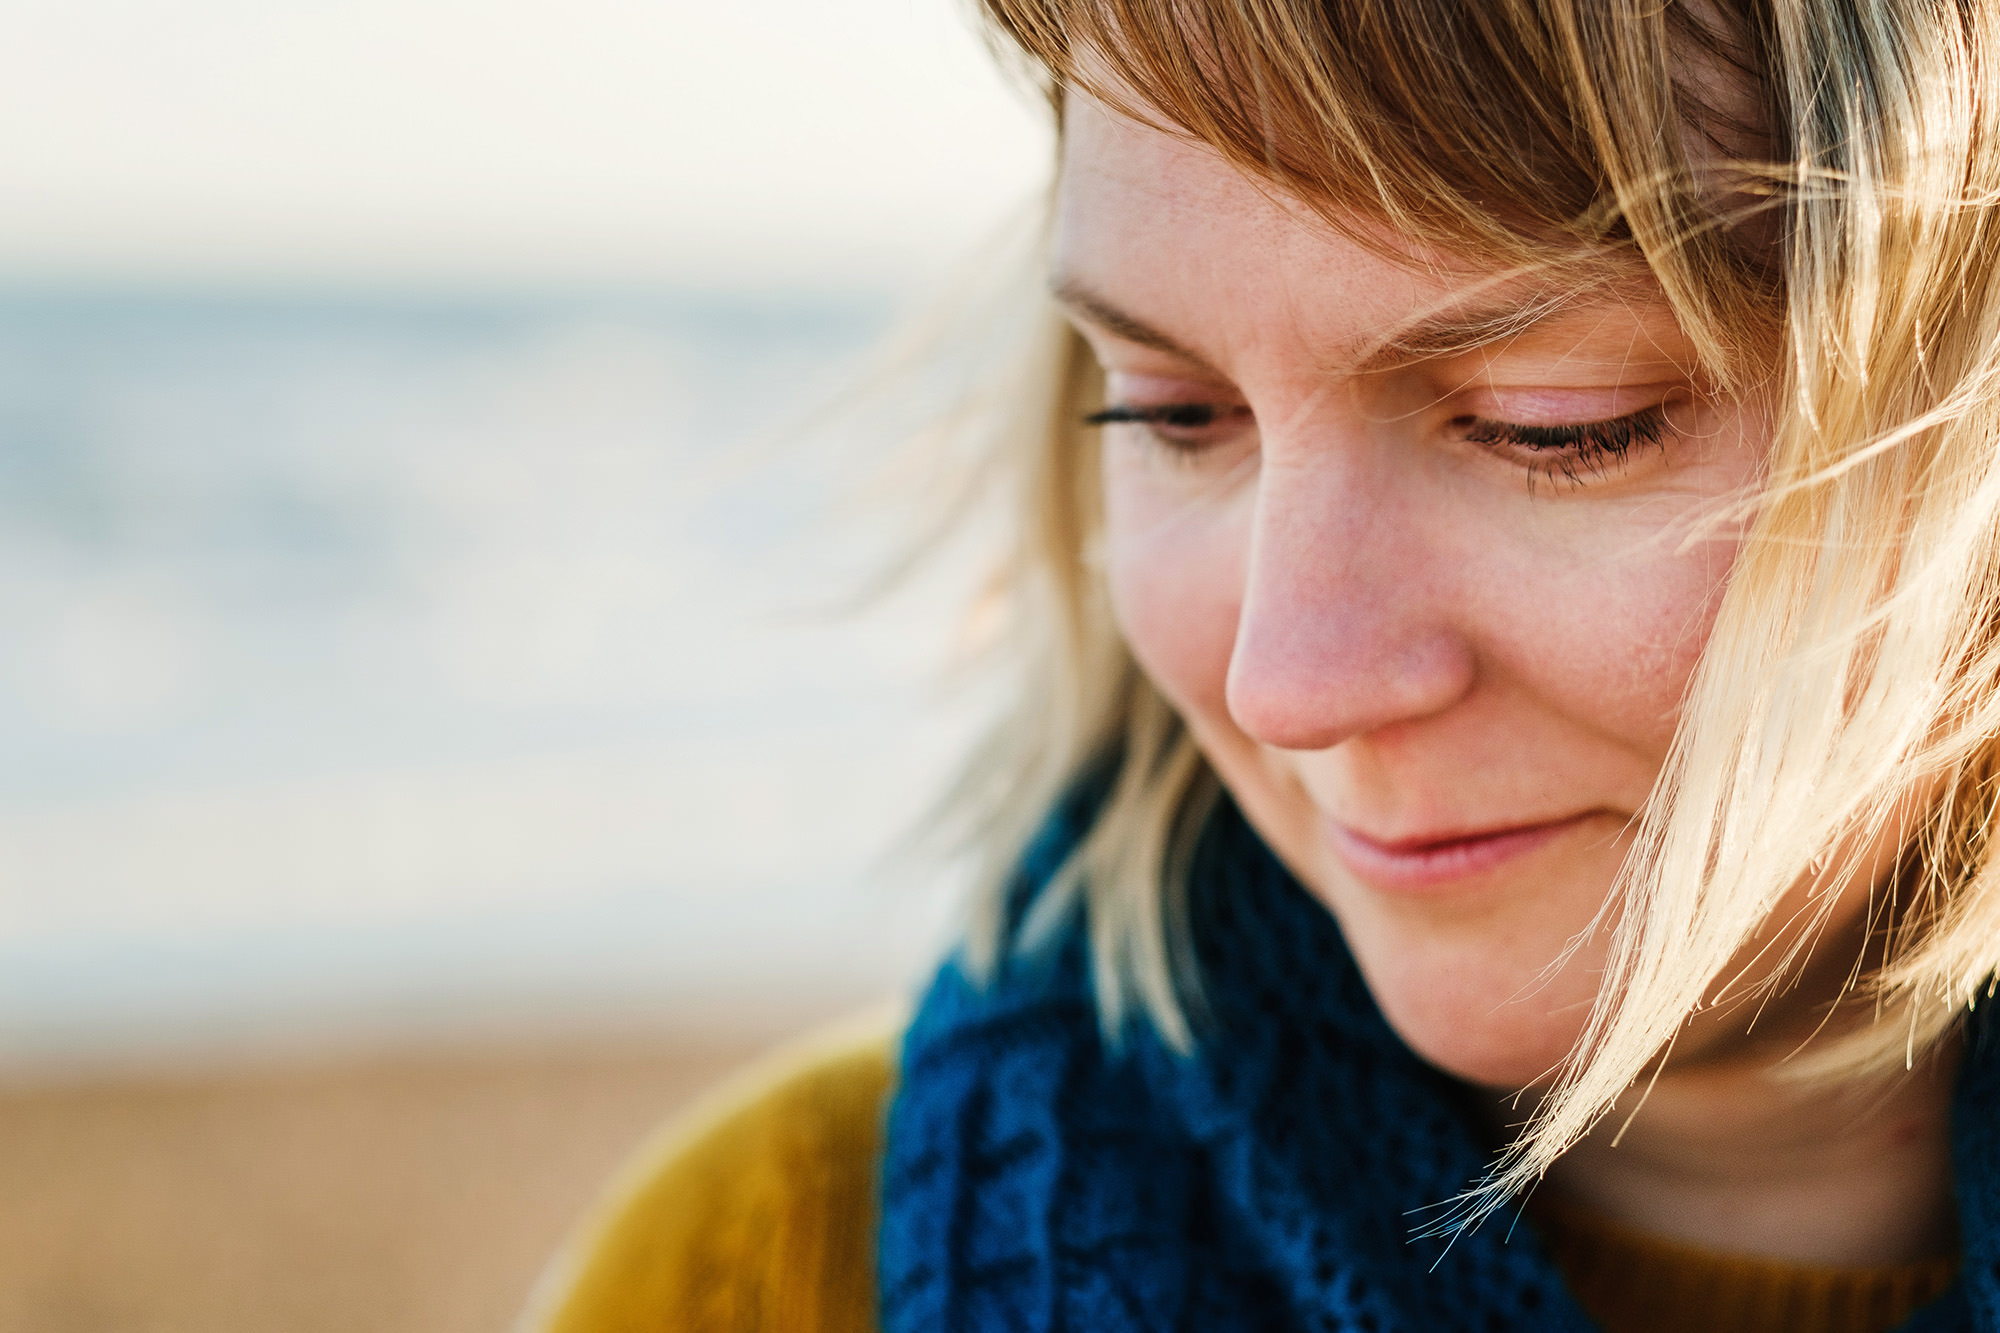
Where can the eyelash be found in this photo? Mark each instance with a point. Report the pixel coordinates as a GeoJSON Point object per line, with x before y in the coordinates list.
{"type": "Point", "coordinates": [1567, 452]}
{"type": "Point", "coordinates": [1185, 416]}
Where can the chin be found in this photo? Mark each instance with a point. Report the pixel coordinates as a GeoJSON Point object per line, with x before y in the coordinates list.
{"type": "Point", "coordinates": [1468, 983]}
{"type": "Point", "coordinates": [1463, 976]}
{"type": "Point", "coordinates": [1505, 1028]}
{"type": "Point", "coordinates": [1501, 1061]}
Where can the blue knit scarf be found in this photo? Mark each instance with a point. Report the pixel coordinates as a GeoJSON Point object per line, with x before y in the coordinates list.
{"type": "Point", "coordinates": [1036, 1179]}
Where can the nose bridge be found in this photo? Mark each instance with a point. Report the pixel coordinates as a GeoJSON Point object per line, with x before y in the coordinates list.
{"type": "Point", "coordinates": [1347, 622]}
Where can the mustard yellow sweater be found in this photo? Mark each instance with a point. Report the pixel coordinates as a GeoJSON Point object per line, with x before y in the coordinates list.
{"type": "Point", "coordinates": [756, 1214]}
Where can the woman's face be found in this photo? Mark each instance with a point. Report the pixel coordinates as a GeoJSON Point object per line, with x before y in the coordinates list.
{"type": "Point", "coordinates": [1429, 611]}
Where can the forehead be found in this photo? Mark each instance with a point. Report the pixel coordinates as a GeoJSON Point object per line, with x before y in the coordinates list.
{"type": "Point", "coordinates": [1158, 231]}
{"type": "Point", "coordinates": [1129, 186]}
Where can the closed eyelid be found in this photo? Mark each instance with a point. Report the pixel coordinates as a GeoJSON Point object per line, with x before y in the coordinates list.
{"type": "Point", "coordinates": [1560, 368]}
{"type": "Point", "coordinates": [1561, 403]}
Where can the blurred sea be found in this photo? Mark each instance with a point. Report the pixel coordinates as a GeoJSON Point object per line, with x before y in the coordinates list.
{"type": "Point", "coordinates": [396, 667]}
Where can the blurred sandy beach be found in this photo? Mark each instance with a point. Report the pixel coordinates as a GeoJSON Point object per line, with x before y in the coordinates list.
{"type": "Point", "coordinates": [414, 1194]}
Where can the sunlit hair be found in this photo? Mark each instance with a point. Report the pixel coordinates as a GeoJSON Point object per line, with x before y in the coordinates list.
{"type": "Point", "coordinates": [1812, 185]}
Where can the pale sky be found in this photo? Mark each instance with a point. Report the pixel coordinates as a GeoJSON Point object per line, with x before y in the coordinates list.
{"type": "Point", "coordinates": [718, 142]}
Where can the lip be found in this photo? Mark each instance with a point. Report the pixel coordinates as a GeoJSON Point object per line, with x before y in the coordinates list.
{"type": "Point", "coordinates": [1413, 864]}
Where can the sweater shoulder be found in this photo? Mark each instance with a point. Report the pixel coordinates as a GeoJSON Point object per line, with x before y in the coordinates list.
{"type": "Point", "coordinates": [755, 1211]}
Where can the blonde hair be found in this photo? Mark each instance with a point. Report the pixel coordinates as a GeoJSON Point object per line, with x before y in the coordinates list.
{"type": "Point", "coordinates": [1818, 176]}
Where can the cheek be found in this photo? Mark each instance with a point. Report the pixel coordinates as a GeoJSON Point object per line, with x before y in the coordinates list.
{"type": "Point", "coordinates": [1611, 643]}
{"type": "Point", "coordinates": [1175, 555]}
{"type": "Point", "coordinates": [1610, 608]}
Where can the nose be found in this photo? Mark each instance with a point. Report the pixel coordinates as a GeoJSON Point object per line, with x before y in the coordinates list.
{"type": "Point", "coordinates": [1348, 622]}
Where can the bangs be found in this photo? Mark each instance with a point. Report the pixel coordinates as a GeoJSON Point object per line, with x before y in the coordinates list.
{"type": "Point", "coordinates": [1527, 135]}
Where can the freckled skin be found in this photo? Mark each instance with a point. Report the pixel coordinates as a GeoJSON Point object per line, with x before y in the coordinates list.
{"type": "Point", "coordinates": [1367, 618]}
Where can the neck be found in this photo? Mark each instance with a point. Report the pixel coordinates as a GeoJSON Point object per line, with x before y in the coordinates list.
{"type": "Point", "coordinates": [1727, 1156]}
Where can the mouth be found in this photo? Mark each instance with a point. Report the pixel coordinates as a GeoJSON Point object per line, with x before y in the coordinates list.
{"type": "Point", "coordinates": [1410, 864]}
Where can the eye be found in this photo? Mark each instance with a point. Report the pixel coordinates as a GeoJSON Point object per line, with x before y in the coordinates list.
{"type": "Point", "coordinates": [1571, 453]}
{"type": "Point", "coordinates": [1184, 428]}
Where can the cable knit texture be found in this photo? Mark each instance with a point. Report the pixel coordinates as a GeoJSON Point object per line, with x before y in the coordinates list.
{"type": "Point", "coordinates": [1279, 1179]}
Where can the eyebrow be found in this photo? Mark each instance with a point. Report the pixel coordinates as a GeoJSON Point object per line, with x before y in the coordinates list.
{"type": "Point", "coordinates": [1461, 327]}
{"type": "Point", "coordinates": [1076, 296]}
